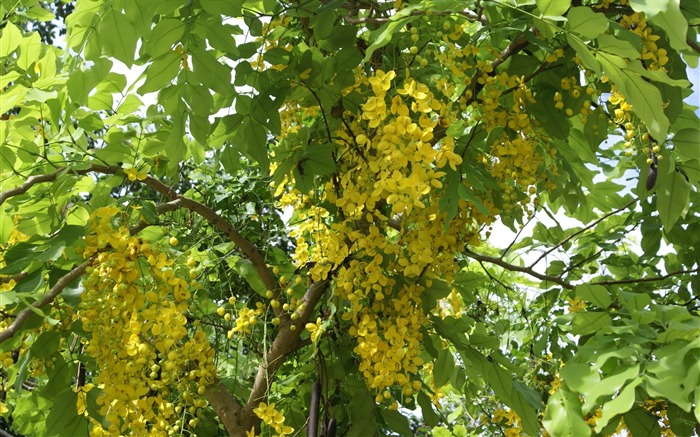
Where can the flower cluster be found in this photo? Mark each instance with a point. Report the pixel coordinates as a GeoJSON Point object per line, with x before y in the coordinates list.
{"type": "Point", "coordinates": [273, 418]}
{"type": "Point", "coordinates": [150, 365]}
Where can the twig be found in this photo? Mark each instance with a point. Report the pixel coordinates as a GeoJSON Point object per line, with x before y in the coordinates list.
{"type": "Point", "coordinates": [580, 231]}
{"type": "Point", "coordinates": [648, 279]}
{"type": "Point", "coordinates": [49, 297]}
{"type": "Point", "coordinates": [694, 45]}
{"type": "Point", "coordinates": [381, 20]}
{"type": "Point", "coordinates": [513, 267]}
{"type": "Point", "coordinates": [29, 183]}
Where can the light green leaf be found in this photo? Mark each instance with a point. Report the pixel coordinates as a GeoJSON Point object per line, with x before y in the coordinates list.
{"type": "Point", "coordinates": [583, 52]}
{"type": "Point", "coordinates": [672, 21]}
{"type": "Point", "coordinates": [644, 97]}
{"type": "Point", "coordinates": [119, 37]}
{"type": "Point", "coordinates": [245, 268]}
{"type": "Point", "coordinates": [10, 39]}
{"type": "Point", "coordinates": [589, 322]}
{"type": "Point", "coordinates": [212, 73]}
{"type": "Point", "coordinates": [607, 386]}
{"type": "Point", "coordinates": [553, 8]}
{"type": "Point", "coordinates": [442, 371]}
{"type": "Point", "coordinates": [163, 37]}
{"type": "Point", "coordinates": [29, 51]}
{"type": "Point", "coordinates": [619, 47]}
{"type": "Point", "coordinates": [586, 23]}
{"type": "Point", "coordinates": [619, 405]}
{"type": "Point", "coordinates": [160, 73]}
{"type": "Point", "coordinates": [563, 416]}
{"type": "Point", "coordinates": [687, 143]}
{"type": "Point", "coordinates": [595, 294]}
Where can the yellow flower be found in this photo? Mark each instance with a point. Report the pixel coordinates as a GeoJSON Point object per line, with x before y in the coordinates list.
{"type": "Point", "coordinates": [381, 82]}
{"type": "Point", "coordinates": [315, 329]}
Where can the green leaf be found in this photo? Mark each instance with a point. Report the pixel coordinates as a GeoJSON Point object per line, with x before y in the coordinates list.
{"type": "Point", "coordinates": [444, 365]}
{"type": "Point", "coordinates": [682, 422]}
{"type": "Point", "coordinates": [397, 422]}
{"type": "Point", "coordinates": [672, 21]}
{"type": "Point", "coordinates": [228, 8]}
{"type": "Point", "coordinates": [595, 294]}
{"type": "Point", "coordinates": [160, 73]}
{"type": "Point", "coordinates": [29, 51]}
{"type": "Point", "coordinates": [586, 23]}
{"type": "Point", "coordinates": [467, 193]}
{"type": "Point", "coordinates": [429, 415]}
{"type": "Point", "coordinates": [589, 322]}
{"type": "Point", "coordinates": [687, 143]}
{"type": "Point", "coordinates": [63, 418]}
{"type": "Point", "coordinates": [619, 47]}
{"type": "Point", "coordinates": [46, 344]}
{"type": "Point", "coordinates": [503, 386]}
{"type": "Point", "coordinates": [212, 73]}
{"type": "Point", "coordinates": [163, 37]}
{"type": "Point", "coordinates": [382, 36]}
{"type": "Point", "coordinates": [23, 366]}
{"type": "Point", "coordinates": [642, 423]}
{"type": "Point", "coordinates": [553, 8]}
{"type": "Point", "coordinates": [619, 405]}
{"type": "Point", "coordinates": [118, 36]}
{"type": "Point", "coordinates": [563, 416]}
{"type": "Point", "coordinates": [643, 96]}
{"type": "Point", "coordinates": [10, 39]}
{"type": "Point", "coordinates": [30, 283]}
{"type": "Point", "coordinates": [245, 268]}
{"type": "Point", "coordinates": [672, 195]}
{"type": "Point", "coordinates": [583, 52]}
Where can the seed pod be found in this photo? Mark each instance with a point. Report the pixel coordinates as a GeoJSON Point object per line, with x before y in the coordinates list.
{"type": "Point", "coordinates": [331, 428]}
{"type": "Point", "coordinates": [312, 430]}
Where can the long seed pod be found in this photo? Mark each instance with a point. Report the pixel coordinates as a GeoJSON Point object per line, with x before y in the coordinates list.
{"type": "Point", "coordinates": [331, 428]}
{"type": "Point", "coordinates": [312, 430]}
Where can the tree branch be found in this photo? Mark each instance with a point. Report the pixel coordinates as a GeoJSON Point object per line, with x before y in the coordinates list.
{"type": "Point", "coordinates": [512, 267]}
{"type": "Point", "coordinates": [49, 297]}
{"type": "Point", "coordinates": [169, 193]}
{"type": "Point", "coordinates": [285, 343]}
{"type": "Point", "coordinates": [648, 279]}
{"type": "Point", "coordinates": [693, 44]}
{"type": "Point", "coordinates": [580, 231]}
{"type": "Point", "coordinates": [381, 20]}
{"type": "Point", "coordinates": [29, 183]}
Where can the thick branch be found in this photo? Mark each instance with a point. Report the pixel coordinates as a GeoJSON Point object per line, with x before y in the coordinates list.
{"type": "Point", "coordinates": [227, 408]}
{"type": "Point", "coordinates": [220, 223]}
{"type": "Point", "coordinates": [49, 297]}
{"type": "Point", "coordinates": [285, 343]}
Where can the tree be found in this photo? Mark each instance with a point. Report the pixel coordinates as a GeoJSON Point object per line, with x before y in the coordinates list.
{"type": "Point", "coordinates": [284, 224]}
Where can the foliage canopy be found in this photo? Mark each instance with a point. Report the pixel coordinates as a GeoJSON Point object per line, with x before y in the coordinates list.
{"type": "Point", "coordinates": [283, 224]}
